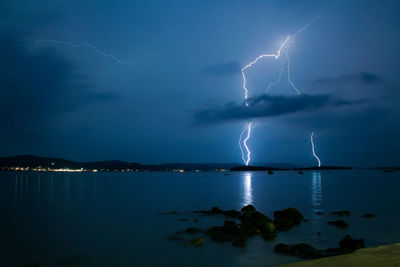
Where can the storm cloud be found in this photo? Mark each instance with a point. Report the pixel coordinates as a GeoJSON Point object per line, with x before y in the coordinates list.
{"type": "Point", "coordinates": [265, 106]}
{"type": "Point", "coordinates": [37, 86]}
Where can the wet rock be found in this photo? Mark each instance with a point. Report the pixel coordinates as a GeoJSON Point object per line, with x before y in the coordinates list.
{"type": "Point", "coordinates": [248, 209]}
{"type": "Point", "coordinates": [302, 250]}
{"type": "Point", "coordinates": [256, 219]}
{"type": "Point", "coordinates": [174, 212]}
{"type": "Point", "coordinates": [192, 230]}
{"type": "Point", "coordinates": [229, 232]}
{"type": "Point", "coordinates": [269, 232]}
{"type": "Point", "coordinates": [300, 172]}
{"type": "Point", "coordinates": [231, 213]}
{"type": "Point", "coordinates": [241, 243]}
{"type": "Point", "coordinates": [319, 213]}
{"type": "Point", "coordinates": [287, 218]}
{"type": "Point", "coordinates": [218, 211]}
{"type": "Point", "coordinates": [389, 170]}
{"type": "Point", "coordinates": [319, 233]}
{"type": "Point", "coordinates": [341, 213]}
{"type": "Point", "coordinates": [175, 237]}
{"type": "Point", "coordinates": [339, 223]}
{"type": "Point", "coordinates": [196, 242]}
{"type": "Point", "coordinates": [270, 172]}
{"type": "Point", "coordinates": [368, 215]}
{"type": "Point", "coordinates": [348, 244]}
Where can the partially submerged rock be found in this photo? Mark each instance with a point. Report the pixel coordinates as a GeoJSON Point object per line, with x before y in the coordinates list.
{"type": "Point", "coordinates": [369, 215]}
{"type": "Point", "coordinates": [350, 244]}
{"type": "Point", "coordinates": [248, 209]}
{"type": "Point", "coordinates": [287, 218]}
{"type": "Point", "coordinates": [218, 211]}
{"type": "Point", "coordinates": [196, 242]}
{"type": "Point", "coordinates": [346, 245]}
{"type": "Point", "coordinates": [341, 213]}
{"type": "Point", "coordinates": [339, 223]}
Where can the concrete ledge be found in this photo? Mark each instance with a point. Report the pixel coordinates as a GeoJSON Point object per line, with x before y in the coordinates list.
{"type": "Point", "coordinates": [388, 255]}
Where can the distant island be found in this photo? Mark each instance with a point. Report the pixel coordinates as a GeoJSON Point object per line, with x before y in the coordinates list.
{"type": "Point", "coordinates": [37, 163]}
{"type": "Point", "coordinates": [262, 168]}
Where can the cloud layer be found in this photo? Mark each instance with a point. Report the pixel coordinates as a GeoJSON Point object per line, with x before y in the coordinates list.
{"type": "Point", "coordinates": [265, 106]}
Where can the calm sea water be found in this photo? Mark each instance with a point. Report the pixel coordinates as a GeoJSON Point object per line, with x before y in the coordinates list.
{"type": "Point", "coordinates": [110, 219]}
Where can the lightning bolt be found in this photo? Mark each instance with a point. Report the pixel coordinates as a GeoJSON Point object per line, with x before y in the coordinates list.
{"type": "Point", "coordinates": [248, 153]}
{"type": "Point", "coordinates": [94, 48]}
{"type": "Point", "coordinates": [286, 62]}
{"type": "Point", "coordinates": [313, 149]}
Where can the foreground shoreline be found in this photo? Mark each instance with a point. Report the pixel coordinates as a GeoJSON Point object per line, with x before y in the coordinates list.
{"type": "Point", "coordinates": [386, 255]}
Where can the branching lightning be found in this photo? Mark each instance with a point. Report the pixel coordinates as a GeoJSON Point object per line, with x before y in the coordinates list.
{"type": "Point", "coordinates": [286, 62]}
{"type": "Point", "coordinates": [92, 47]}
{"type": "Point", "coordinates": [313, 149]}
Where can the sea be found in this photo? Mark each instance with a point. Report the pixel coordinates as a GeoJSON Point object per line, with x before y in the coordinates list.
{"type": "Point", "coordinates": [125, 219]}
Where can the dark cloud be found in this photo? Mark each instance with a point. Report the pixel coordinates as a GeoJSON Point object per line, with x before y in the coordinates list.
{"type": "Point", "coordinates": [265, 106]}
{"type": "Point", "coordinates": [37, 86]}
{"type": "Point", "coordinates": [223, 69]}
{"type": "Point", "coordinates": [361, 77]}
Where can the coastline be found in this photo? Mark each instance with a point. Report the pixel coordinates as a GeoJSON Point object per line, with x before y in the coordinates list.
{"type": "Point", "coordinates": [386, 255]}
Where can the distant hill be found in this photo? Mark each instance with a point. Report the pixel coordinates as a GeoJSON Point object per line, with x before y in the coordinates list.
{"type": "Point", "coordinates": [32, 161]}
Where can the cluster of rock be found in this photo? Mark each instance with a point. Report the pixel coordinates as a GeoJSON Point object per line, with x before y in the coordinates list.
{"type": "Point", "coordinates": [346, 245]}
{"type": "Point", "coordinates": [246, 223]}
{"type": "Point", "coordinates": [241, 225]}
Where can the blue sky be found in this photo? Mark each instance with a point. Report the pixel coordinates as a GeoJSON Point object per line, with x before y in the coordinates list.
{"type": "Point", "coordinates": [72, 102]}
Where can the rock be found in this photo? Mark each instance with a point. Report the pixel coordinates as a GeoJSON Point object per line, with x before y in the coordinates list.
{"type": "Point", "coordinates": [231, 213]}
{"type": "Point", "coordinates": [368, 215]}
{"type": "Point", "coordinates": [346, 245]}
{"type": "Point", "coordinates": [349, 244]}
{"type": "Point", "coordinates": [341, 213]}
{"type": "Point", "coordinates": [389, 170]}
{"type": "Point", "coordinates": [183, 219]}
{"type": "Point", "coordinates": [269, 232]}
{"type": "Point", "coordinates": [196, 242]}
{"type": "Point", "coordinates": [229, 232]}
{"type": "Point", "coordinates": [302, 250]}
{"type": "Point", "coordinates": [270, 172]}
{"type": "Point", "coordinates": [196, 220]}
{"type": "Point", "coordinates": [319, 233]}
{"type": "Point", "coordinates": [241, 243]}
{"type": "Point", "coordinates": [175, 236]}
{"type": "Point", "coordinates": [174, 212]}
{"type": "Point", "coordinates": [218, 211]}
{"type": "Point", "coordinates": [215, 210]}
{"type": "Point", "coordinates": [300, 172]}
{"type": "Point", "coordinates": [305, 220]}
{"type": "Point", "coordinates": [248, 209]}
{"type": "Point", "coordinates": [319, 213]}
{"type": "Point", "coordinates": [287, 218]}
{"type": "Point", "coordinates": [339, 223]}
{"type": "Point", "coordinates": [192, 230]}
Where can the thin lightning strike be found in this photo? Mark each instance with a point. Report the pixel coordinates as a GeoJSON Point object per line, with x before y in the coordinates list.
{"type": "Point", "coordinates": [313, 149]}
{"type": "Point", "coordinates": [245, 143]}
{"type": "Point", "coordinates": [240, 143]}
{"type": "Point", "coordinates": [94, 48]}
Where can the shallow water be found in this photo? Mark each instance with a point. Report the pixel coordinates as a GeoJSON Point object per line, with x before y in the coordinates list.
{"type": "Point", "coordinates": [110, 219]}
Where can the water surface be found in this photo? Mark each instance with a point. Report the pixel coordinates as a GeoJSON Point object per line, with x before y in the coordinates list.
{"type": "Point", "coordinates": [110, 219]}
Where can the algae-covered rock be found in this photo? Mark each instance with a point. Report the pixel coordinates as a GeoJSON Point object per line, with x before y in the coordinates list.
{"type": "Point", "coordinates": [287, 218]}
{"type": "Point", "coordinates": [339, 223]}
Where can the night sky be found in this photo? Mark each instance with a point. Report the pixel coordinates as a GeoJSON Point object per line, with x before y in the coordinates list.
{"type": "Point", "coordinates": [182, 99]}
